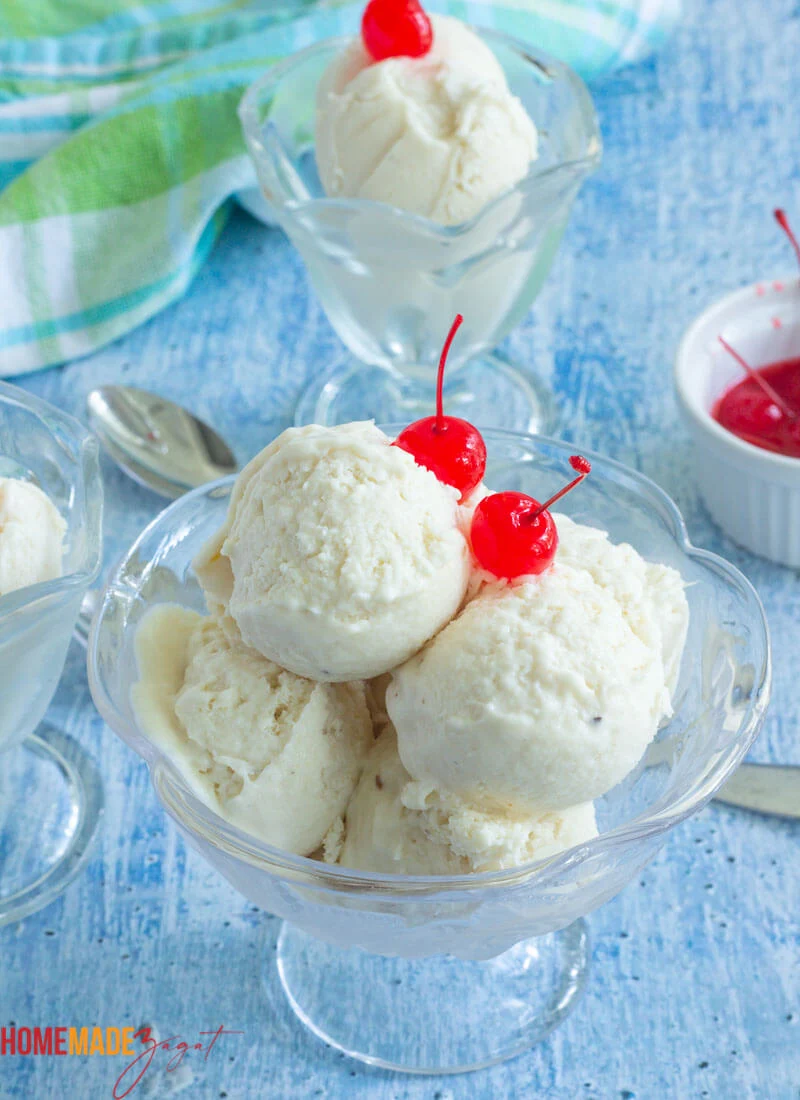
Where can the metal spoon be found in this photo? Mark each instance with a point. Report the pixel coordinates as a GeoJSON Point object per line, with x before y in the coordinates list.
{"type": "Point", "coordinates": [764, 789]}
{"type": "Point", "coordinates": [160, 445]}
{"type": "Point", "coordinates": [156, 442]}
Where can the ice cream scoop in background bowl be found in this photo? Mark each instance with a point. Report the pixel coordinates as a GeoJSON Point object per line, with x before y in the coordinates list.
{"type": "Point", "coordinates": [391, 281]}
{"type": "Point", "coordinates": [445, 974]}
{"type": "Point", "coordinates": [752, 493]}
{"type": "Point", "coordinates": [50, 793]}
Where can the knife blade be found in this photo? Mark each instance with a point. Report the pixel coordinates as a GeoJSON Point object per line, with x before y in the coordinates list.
{"type": "Point", "coordinates": [764, 788]}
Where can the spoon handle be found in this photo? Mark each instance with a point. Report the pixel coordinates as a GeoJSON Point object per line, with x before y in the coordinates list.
{"type": "Point", "coordinates": [764, 788]}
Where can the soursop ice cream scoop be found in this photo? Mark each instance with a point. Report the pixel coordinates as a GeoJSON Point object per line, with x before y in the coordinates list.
{"type": "Point", "coordinates": [340, 556]}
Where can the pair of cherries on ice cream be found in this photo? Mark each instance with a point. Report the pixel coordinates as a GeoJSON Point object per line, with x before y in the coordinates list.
{"type": "Point", "coordinates": [512, 534]}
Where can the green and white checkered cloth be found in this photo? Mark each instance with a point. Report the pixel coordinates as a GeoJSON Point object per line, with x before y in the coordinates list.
{"type": "Point", "coordinates": [120, 147]}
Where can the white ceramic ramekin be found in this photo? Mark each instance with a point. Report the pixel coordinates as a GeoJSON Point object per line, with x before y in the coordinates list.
{"type": "Point", "coordinates": [753, 494]}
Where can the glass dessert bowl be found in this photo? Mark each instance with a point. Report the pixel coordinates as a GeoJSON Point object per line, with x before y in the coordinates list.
{"type": "Point", "coordinates": [391, 282]}
{"type": "Point", "coordinates": [50, 793]}
{"type": "Point", "coordinates": [445, 974]}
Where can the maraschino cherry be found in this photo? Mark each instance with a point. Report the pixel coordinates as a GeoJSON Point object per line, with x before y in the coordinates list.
{"type": "Point", "coordinates": [451, 448]}
{"type": "Point", "coordinates": [514, 535]}
{"type": "Point", "coordinates": [395, 28]}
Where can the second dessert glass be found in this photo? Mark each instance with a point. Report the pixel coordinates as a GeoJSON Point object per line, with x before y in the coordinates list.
{"type": "Point", "coordinates": [50, 792]}
{"type": "Point", "coordinates": [391, 282]}
{"type": "Point", "coordinates": [447, 974]}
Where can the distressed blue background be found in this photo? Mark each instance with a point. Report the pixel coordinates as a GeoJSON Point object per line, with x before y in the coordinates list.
{"type": "Point", "coordinates": [695, 989]}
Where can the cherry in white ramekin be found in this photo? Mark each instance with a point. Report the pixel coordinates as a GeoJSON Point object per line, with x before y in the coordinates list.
{"type": "Point", "coordinates": [752, 493]}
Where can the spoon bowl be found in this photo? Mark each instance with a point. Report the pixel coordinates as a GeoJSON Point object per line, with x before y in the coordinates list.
{"type": "Point", "coordinates": [156, 442]}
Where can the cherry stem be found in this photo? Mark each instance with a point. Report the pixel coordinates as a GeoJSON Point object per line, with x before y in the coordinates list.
{"type": "Point", "coordinates": [440, 424]}
{"type": "Point", "coordinates": [531, 516]}
{"type": "Point", "coordinates": [783, 222]}
{"type": "Point", "coordinates": [760, 380]}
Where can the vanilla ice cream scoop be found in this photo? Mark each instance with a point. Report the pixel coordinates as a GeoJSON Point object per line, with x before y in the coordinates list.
{"type": "Point", "coordinates": [31, 536]}
{"type": "Point", "coordinates": [650, 594]}
{"type": "Point", "coordinates": [396, 826]}
{"type": "Point", "coordinates": [275, 754]}
{"type": "Point", "coordinates": [439, 135]}
{"type": "Point", "coordinates": [340, 556]}
{"type": "Point", "coordinates": [537, 696]}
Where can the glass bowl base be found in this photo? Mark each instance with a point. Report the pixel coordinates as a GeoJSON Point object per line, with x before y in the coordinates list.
{"type": "Point", "coordinates": [488, 391]}
{"type": "Point", "coordinates": [51, 800]}
{"type": "Point", "coordinates": [433, 1015]}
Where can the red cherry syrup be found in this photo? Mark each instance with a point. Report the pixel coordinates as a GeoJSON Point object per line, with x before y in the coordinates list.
{"type": "Point", "coordinates": [765, 417]}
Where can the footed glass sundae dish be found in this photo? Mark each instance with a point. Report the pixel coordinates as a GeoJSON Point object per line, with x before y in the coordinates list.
{"type": "Point", "coordinates": [416, 185]}
{"type": "Point", "coordinates": [356, 740]}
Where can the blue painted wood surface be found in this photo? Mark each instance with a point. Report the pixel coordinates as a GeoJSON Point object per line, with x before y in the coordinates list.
{"type": "Point", "coordinates": [694, 990]}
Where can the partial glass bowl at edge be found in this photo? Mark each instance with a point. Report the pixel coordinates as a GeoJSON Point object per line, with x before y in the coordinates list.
{"type": "Point", "coordinates": [718, 709]}
{"type": "Point", "coordinates": [50, 791]}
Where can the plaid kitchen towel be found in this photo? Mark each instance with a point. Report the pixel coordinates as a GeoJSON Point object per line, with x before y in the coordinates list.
{"type": "Point", "coordinates": [120, 147]}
